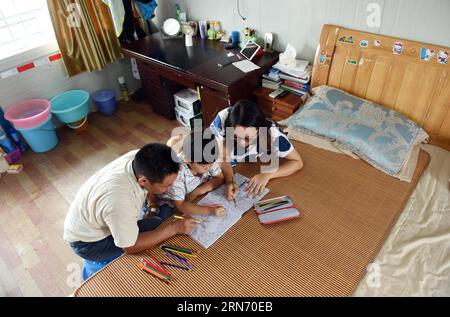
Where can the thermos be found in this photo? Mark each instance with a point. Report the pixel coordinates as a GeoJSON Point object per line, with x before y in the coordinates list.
{"type": "Point", "coordinates": [16, 139]}
{"type": "Point", "coordinates": [6, 143]}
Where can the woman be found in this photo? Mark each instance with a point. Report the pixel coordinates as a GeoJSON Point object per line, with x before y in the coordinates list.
{"type": "Point", "coordinates": [245, 134]}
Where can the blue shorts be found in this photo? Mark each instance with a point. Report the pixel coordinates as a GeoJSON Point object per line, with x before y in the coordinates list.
{"type": "Point", "coordinates": [105, 249]}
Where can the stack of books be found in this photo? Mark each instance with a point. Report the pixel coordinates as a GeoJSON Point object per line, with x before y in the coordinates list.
{"type": "Point", "coordinates": [272, 79]}
{"type": "Point", "coordinates": [295, 79]}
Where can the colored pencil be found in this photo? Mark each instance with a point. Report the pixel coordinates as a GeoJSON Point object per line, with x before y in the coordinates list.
{"type": "Point", "coordinates": [145, 269]}
{"type": "Point", "coordinates": [173, 257]}
{"type": "Point", "coordinates": [152, 268]}
{"type": "Point", "coordinates": [182, 253]}
{"type": "Point", "coordinates": [267, 208]}
{"type": "Point", "coordinates": [175, 266]}
{"type": "Point", "coordinates": [174, 254]}
{"type": "Point", "coordinates": [157, 266]}
{"type": "Point", "coordinates": [182, 218]}
{"type": "Point", "coordinates": [166, 246]}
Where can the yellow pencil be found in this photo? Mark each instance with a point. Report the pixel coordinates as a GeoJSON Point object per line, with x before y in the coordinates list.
{"type": "Point", "coordinates": [234, 185]}
{"type": "Point", "coordinates": [182, 253]}
{"type": "Point", "coordinates": [181, 218]}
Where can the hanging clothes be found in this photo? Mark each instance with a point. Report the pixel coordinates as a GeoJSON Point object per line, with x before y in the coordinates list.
{"type": "Point", "coordinates": [118, 14]}
{"type": "Point", "coordinates": [147, 8]}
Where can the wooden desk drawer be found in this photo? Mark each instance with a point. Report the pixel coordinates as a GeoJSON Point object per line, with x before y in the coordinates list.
{"type": "Point", "coordinates": [271, 106]}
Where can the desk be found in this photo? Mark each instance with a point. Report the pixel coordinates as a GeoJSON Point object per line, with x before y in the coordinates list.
{"type": "Point", "coordinates": [167, 66]}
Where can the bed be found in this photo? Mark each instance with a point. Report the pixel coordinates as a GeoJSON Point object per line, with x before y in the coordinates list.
{"type": "Point", "coordinates": [348, 207]}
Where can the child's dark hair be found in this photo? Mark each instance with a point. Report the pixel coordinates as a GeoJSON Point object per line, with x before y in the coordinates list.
{"type": "Point", "coordinates": [155, 161]}
{"type": "Point", "coordinates": [200, 147]}
{"type": "Point", "coordinates": [247, 114]}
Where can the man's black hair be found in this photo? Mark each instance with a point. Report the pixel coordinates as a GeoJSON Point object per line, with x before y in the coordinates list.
{"type": "Point", "coordinates": [155, 161]}
{"type": "Point", "coordinates": [200, 147]}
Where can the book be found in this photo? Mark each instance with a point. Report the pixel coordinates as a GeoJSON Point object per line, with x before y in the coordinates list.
{"type": "Point", "coordinates": [294, 79]}
{"type": "Point", "coordinates": [211, 227]}
{"type": "Point", "coordinates": [297, 85]}
{"type": "Point", "coordinates": [295, 91]}
{"type": "Point", "coordinates": [266, 77]}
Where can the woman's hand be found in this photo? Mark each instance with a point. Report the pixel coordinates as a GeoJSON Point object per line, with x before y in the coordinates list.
{"type": "Point", "coordinates": [256, 184]}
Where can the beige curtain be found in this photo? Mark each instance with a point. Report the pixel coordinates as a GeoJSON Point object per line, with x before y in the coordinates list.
{"type": "Point", "coordinates": [85, 33]}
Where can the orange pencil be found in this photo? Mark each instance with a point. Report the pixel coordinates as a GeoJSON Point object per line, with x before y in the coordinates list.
{"type": "Point", "coordinates": [147, 270]}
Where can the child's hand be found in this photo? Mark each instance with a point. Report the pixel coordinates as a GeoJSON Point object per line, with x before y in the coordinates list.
{"type": "Point", "coordinates": [217, 210]}
{"type": "Point", "coordinates": [230, 191]}
{"type": "Point", "coordinates": [256, 184]}
{"type": "Point", "coordinates": [184, 226]}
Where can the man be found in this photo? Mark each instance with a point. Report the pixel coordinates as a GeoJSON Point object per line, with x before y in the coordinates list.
{"type": "Point", "coordinates": [104, 219]}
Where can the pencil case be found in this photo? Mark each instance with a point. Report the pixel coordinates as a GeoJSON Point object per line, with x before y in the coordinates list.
{"type": "Point", "coordinates": [273, 204]}
{"type": "Point", "coordinates": [278, 216]}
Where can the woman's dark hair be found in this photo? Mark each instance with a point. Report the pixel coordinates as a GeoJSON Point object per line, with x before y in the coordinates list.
{"type": "Point", "coordinates": [200, 147]}
{"type": "Point", "coordinates": [155, 161]}
{"type": "Point", "coordinates": [247, 114]}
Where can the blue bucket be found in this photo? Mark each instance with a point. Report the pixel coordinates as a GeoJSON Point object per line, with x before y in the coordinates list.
{"type": "Point", "coordinates": [70, 106]}
{"type": "Point", "coordinates": [105, 100]}
{"type": "Point", "coordinates": [41, 138]}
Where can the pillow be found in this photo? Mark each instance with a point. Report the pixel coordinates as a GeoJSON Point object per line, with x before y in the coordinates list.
{"type": "Point", "coordinates": [381, 136]}
{"type": "Point", "coordinates": [406, 173]}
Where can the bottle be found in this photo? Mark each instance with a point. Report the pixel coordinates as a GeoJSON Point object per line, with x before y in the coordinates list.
{"type": "Point", "coordinates": [177, 11]}
{"type": "Point", "coordinates": [124, 88]}
{"type": "Point", "coordinates": [16, 139]}
{"type": "Point", "coordinates": [5, 124]}
{"type": "Point", "coordinates": [6, 143]}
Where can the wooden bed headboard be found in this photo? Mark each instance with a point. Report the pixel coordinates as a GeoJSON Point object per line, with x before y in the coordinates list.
{"type": "Point", "coordinates": [365, 65]}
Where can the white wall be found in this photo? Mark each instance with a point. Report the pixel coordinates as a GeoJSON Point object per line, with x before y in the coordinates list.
{"type": "Point", "coordinates": [51, 79]}
{"type": "Point", "coordinates": [299, 22]}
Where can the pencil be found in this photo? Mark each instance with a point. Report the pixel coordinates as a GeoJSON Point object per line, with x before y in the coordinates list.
{"type": "Point", "coordinates": [178, 259]}
{"type": "Point", "coordinates": [182, 253]}
{"type": "Point", "coordinates": [166, 246]}
{"type": "Point", "coordinates": [147, 270]}
{"type": "Point", "coordinates": [175, 266]}
{"type": "Point", "coordinates": [181, 218]}
{"type": "Point", "coordinates": [234, 185]}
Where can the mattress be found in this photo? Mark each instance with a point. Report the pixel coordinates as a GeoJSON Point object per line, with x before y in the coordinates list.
{"type": "Point", "coordinates": [348, 209]}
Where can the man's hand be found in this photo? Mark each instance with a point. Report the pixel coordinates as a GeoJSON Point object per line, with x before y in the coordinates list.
{"type": "Point", "coordinates": [184, 226]}
{"type": "Point", "coordinates": [217, 210]}
{"type": "Point", "coordinates": [230, 191]}
{"type": "Point", "coordinates": [256, 184]}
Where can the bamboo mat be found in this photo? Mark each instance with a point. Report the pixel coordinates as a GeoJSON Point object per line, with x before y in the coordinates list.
{"type": "Point", "coordinates": [348, 209]}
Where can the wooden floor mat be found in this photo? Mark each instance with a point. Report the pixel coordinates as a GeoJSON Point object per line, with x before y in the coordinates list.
{"type": "Point", "coordinates": [348, 209]}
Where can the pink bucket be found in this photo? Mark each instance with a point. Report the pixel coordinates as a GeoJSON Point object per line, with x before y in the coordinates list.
{"type": "Point", "coordinates": [29, 113]}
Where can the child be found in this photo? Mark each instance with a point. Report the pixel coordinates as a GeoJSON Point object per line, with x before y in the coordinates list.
{"type": "Point", "coordinates": [245, 134]}
{"type": "Point", "coordinates": [199, 173]}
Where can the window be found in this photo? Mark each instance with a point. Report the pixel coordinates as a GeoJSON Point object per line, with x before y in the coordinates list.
{"type": "Point", "coordinates": [24, 25]}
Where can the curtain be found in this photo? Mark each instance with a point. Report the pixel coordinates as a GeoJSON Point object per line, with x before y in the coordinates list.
{"type": "Point", "coordinates": [85, 33]}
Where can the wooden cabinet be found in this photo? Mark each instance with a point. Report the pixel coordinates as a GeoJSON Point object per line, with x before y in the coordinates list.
{"type": "Point", "coordinates": [212, 103]}
{"type": "Point", "coordinates": [279, 108]}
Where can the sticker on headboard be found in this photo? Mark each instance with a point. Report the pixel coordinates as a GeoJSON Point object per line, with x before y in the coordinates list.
{"type": "Point", "coordinates": [352, 61]}
{"type": "Point", "coordinates": [325, 58]}
{"type": "Point", "coordinates": [361, 61]}
{"type": "Point", "coordinates": [443, 57]}
{"type": "Point", "coordinates": [364, 43]}
{"type": "Point", "coordinates": [397, 49]}
{"type": "Point", "coordinates": [377, 43]}
{"type": "Point", "coordinates": [426, 54]}
{"type": "Point", "coordinates": [346, 39]}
